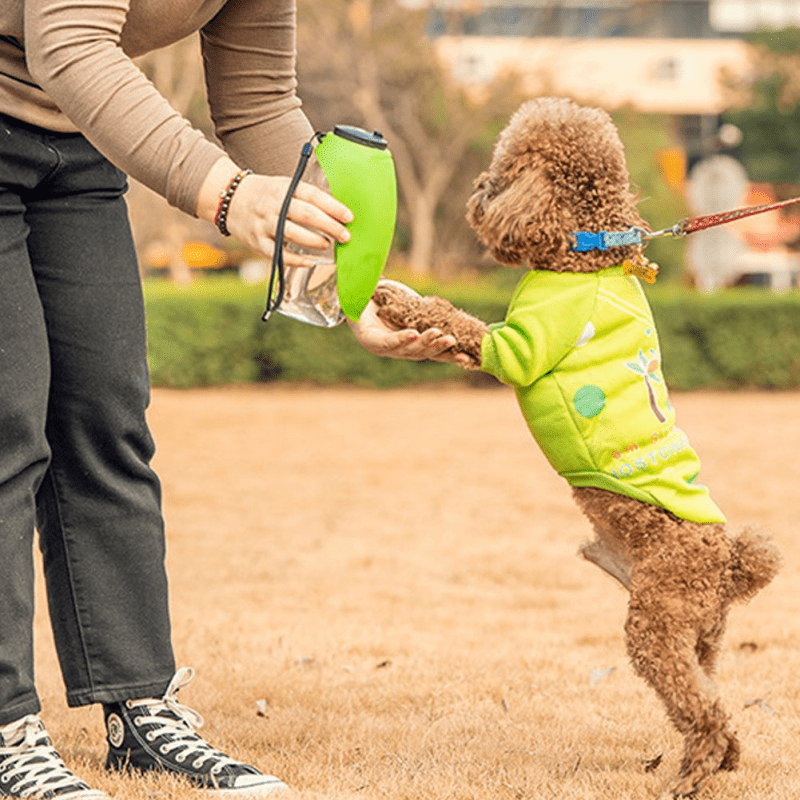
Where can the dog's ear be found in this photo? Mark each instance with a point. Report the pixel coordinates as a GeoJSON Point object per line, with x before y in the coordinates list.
{"type": "Point", "coordinates": [483, 192]}
{"type": "Point", "coordinates": [519, 222]}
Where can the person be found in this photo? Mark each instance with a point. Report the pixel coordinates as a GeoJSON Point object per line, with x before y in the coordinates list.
{"type": "Point", "coordinates": [76, 118]}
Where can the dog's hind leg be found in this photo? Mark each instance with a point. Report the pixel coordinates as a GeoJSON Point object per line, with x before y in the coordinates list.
{"type": "Point", "coordinates": [707, 649]}
{"type": "Point", "coordinates": [609, 560]}
{"type": "Point", "coordinates": [709, 644]}
{"type": "Point", "coordinates": [667, 660]}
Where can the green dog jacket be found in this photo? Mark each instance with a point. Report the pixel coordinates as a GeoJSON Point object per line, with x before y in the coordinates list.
{"type": "Point", "coordinates": [581, 351]}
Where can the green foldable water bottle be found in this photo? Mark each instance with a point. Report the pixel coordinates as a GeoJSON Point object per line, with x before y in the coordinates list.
{"type": "Point", "coordinates": [357, 168]}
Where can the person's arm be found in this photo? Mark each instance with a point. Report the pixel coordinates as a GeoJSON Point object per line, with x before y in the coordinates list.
{"type": "Point", "coordinates": [249, 55]}
{"type": "Point", "coordinates": [74, 51]}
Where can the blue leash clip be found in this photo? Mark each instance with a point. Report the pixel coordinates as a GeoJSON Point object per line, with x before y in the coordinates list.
{"type": "Point", "coordinates": [602, 240]}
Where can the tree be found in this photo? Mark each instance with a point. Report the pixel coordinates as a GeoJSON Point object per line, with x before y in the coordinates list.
{"type": "Point", "coordinates": [767, 109]}
{"type": "Point", "coordinates": [372, 58]}
{"type": "Point", "coordinates": [177, 73]}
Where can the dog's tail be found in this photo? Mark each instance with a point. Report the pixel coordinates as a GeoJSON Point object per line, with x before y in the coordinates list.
{"type": "Point", "coordinates": [755, 561]}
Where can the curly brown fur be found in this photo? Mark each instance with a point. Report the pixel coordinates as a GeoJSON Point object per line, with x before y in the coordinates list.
{"type": "Point", "coordinates": [682, 577]}
{"type": "Point", "coordinates": [558, 168]}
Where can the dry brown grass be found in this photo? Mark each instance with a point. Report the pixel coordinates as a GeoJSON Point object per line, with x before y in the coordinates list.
{"type": "Point", "coordinates": [395, 575]}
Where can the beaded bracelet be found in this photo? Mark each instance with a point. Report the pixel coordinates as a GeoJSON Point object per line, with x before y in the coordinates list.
{"type": "Point", "coordinates": [221, 217]}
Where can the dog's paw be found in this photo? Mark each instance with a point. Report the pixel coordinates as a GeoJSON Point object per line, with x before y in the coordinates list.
{"type": "Point", "coordinates": [397, 304]}
{"type": "Point", "coordinates": [401, 307]}
{"type": "Point", "coordinates": [730, 760]}
{"type": "Point", "coordinates": [388, 292]}
{"type": "Point", "coordinates": [710, 755]}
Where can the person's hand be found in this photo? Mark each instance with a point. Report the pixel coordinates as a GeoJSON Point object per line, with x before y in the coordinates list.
{"type": "Point", "coordinates": [375, 335]}
{"type": "Point", "coordinates": [314, 219]}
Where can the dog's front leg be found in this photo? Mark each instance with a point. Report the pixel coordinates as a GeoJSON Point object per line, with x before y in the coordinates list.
{"type": "Point", "coordinates": [401, 307]}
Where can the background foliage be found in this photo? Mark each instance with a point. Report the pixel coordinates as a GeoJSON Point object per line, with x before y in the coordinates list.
{"type": "Point", "coordinates": [211, 333]}
{"type": "Point", "coordinates": [768, 111]}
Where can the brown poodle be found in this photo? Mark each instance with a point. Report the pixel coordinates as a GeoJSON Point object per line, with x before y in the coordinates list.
{"type": "Point", "coordinates": [580, 348]}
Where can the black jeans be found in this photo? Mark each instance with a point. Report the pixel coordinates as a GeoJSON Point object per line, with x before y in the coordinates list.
{"type": "Point", "coordinates": [75, 448]}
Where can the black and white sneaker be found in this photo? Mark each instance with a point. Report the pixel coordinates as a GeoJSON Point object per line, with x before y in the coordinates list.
{"type": "Point", "coordinates": [31, 768]}
{"type": "Point", "coordinates": [161, 734]}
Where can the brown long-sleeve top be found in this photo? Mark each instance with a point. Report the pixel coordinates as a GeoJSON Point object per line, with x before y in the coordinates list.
{"type": "Point", "coordinates": [65, 65]}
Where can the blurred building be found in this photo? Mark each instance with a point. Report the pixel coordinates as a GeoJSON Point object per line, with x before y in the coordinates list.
{"type": "Point", "coordinates": [638, 18]}
{"type": "Point", "coordinates": [741, 16]}
{"type": "Point", "coordinates": [659, 56]}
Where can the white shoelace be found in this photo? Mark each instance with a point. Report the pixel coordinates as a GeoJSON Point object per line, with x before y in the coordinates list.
{"type": "Point", "coordinates": [29, 762]}
{"type": "Point", "coordinates": [181, 731]}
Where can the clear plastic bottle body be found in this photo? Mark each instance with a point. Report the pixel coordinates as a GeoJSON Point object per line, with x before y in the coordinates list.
{"type": "Point", "coordinates": [310, 293]}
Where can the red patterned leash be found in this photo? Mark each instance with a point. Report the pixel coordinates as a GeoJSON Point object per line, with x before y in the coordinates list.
{"type": "Point", "coordinates": [692, 224]}
{"type": "Point", "coordinates": [603, 240]}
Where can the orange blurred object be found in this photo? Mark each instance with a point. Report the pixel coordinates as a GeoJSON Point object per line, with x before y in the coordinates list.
{"type": "Point", "coordinates": [199, 255]}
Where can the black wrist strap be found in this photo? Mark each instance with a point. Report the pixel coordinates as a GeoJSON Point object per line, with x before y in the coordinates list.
{"type": "Point", "coordinates": [277, 256]}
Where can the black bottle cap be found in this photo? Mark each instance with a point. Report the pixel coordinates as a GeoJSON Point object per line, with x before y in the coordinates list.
{"type": "Point", "coordinates": [360, 136]}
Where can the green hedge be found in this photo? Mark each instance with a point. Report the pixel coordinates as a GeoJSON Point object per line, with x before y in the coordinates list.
{"type": "Point", "coordinates": [733, 339]}
{"type": "Point", "coordinates": [211, 333]}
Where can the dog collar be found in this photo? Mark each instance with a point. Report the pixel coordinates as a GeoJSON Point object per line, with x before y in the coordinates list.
{"type": "Point", "coordinates": [602, 240]}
